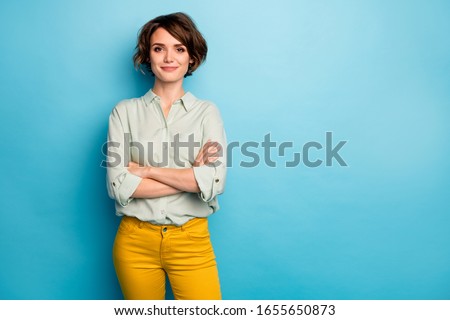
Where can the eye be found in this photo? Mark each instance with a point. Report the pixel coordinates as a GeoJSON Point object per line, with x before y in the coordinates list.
{"type": "Point", "coordinates": [157, 49]}
{"type": "Point", "coordinates": [181, 49]}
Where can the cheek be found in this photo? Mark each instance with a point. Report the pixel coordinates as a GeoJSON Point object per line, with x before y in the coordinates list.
{"type": "Point", "coordinates": [186, 59]}
{"type": "Point", "coordinates": [153, 57]}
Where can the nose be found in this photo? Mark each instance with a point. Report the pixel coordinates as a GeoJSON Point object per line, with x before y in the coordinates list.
{"type": "Point", "coordinates": [168, 57]}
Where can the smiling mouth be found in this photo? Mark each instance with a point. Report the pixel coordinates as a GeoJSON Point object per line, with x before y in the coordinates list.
{"type": "Point", "coordinates": [169, 68]}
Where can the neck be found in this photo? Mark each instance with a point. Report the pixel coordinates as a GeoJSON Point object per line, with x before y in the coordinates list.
{"type": "Point", "coordinates": [168, 92]}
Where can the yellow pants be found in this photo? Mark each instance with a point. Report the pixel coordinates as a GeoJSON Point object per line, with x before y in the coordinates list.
{"type": "Point", "coordinates": [143, 253]}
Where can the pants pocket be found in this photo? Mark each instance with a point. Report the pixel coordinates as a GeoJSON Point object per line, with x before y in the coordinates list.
{"type": "Point", "coordinates": [128, 226]}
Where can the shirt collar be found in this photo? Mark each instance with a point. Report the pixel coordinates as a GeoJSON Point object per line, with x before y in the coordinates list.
{"type": "Point", "coordinates": [187, 100]}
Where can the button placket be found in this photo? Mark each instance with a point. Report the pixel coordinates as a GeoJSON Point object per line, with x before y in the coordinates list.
{"type": "Point", "coordinates": [165, 243]}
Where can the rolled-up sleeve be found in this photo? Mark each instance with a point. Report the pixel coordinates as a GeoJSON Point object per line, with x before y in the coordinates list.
{"type": "Point", "coordinates": [121, 184]}
{"type": "Point", "coordinates": [211, 178]}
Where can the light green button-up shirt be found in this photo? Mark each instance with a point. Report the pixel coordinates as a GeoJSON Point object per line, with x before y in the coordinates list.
{"type": "Point", "coordinates": [139, 132]}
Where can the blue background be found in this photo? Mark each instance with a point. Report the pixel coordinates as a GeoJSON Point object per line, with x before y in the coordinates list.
{"type": "Point", "coordinates": [375, 73]}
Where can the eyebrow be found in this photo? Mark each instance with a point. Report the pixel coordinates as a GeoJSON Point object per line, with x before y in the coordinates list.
{"type": "Point", "coordinates": [163, 45]}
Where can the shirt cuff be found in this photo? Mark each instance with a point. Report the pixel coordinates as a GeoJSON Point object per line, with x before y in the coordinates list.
{"type": "Point", "coordinates": [124, 186]}
{"type": "Point", "coordinates": [208, 181]}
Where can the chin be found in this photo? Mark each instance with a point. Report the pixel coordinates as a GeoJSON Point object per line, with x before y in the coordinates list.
{"type": "Point", "coordinates": [170, 78]}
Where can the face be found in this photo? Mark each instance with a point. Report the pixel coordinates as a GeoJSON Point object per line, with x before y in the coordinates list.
{"type": "Point", "coordinates": [169, 58]}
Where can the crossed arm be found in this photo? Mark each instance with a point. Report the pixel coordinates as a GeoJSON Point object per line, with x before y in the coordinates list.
{"type": "Point", "coordinates": [159, 182]}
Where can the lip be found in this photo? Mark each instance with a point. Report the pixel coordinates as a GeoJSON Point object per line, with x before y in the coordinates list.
{"type": "Point", "coordinates": [169, 69]}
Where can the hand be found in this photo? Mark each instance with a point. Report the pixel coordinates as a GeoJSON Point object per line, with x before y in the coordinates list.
{"type": "Point", "coordinates": [138, 170]}
{"type": "Point", "coordinates": [209, 153]}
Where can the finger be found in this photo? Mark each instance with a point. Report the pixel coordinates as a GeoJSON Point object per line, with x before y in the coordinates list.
{"type": "Point", "coordinates": [132, 164]}
{"type": "Point", "coordinates": [209, 143]}
{"type": "Point", "coordinates": [216, 145]}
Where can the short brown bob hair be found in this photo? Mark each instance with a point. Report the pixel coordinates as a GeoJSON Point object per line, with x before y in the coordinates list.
{"type": "Point", "coordinates": [182, 28]}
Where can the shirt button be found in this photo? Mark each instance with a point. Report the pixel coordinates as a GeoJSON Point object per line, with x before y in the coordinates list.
{"type": "Point", "coordinates": [217, 180]}
{"type": "Point", "coordinates": [114, 184]}
{"type": "Point", "coordinates": [164, 229]}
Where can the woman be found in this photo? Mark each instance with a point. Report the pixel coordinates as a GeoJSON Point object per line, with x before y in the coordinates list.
{"type": "Point", "coordinates": [169, 152]}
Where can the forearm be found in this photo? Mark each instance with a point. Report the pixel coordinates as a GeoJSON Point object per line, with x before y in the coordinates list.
{"type": "Point", "coordinates": [149, 188]}
{"type": "Point", "coordinates": [179, 179]}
